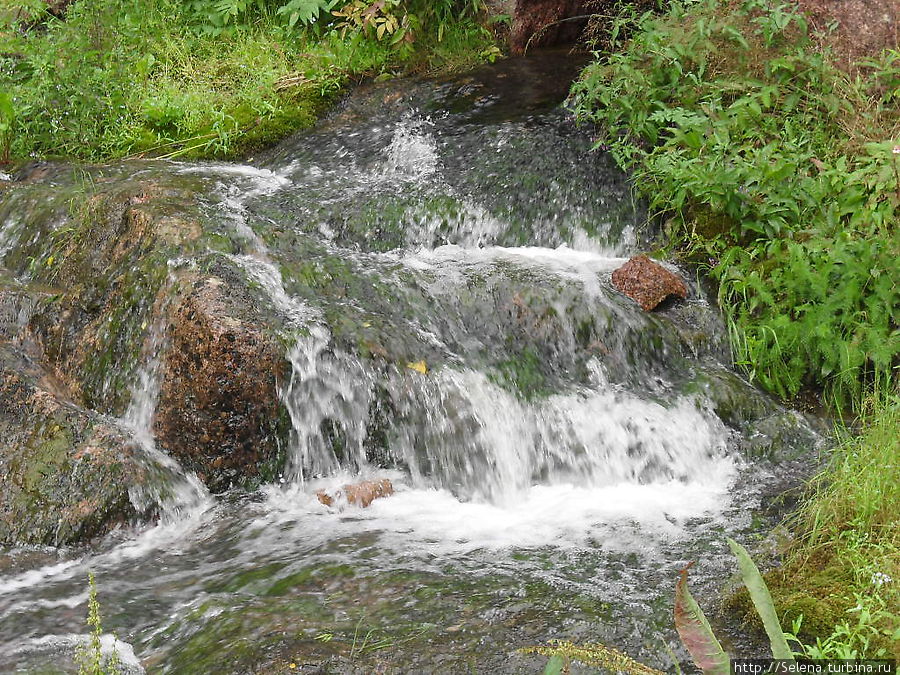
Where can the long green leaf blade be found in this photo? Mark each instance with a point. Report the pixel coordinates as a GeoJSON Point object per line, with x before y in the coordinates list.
{"type": "Point", "coordinates": [696, 633]}
{"type": "Point", "coordinates": [762, 600]}
{"type": "Point", "coordinates": [555, 665]}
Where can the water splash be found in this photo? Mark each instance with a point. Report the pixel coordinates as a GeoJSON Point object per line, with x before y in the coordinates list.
{"type": "Point", "coordinates": [328, 399]}
{"type": "Point", "coordinates": [412, 154]}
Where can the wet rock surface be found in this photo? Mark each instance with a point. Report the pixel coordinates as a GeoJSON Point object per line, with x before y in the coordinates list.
{"type": "Point", "coordinates": [66, 472]}
{"type": "Point", "coordinates": [647, 283]}
{"type": "Point", "coordinates": [218, 409]}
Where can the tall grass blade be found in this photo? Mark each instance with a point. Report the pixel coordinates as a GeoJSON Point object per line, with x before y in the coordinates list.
{"type": "Point", "coordinates": [555, 665]}
{"type": "Point", "coordinates": [696, 633]}
{"type": "Point", "coordinates": [762, 601]}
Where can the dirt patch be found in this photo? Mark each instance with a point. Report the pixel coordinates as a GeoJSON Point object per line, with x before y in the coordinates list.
{"type": "Point", "coordinates": [862, 28]}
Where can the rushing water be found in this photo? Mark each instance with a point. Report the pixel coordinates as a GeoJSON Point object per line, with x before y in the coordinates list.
{"type": "Point", "coordinates": [557, 463]}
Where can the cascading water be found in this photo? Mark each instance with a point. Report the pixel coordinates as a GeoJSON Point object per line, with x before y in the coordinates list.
{"type": "Point", "coordinates": [178, 495]}
{"type": "Point", "coordinates": [438, 257]}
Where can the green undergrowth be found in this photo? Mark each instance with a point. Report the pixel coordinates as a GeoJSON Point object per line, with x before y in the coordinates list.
{"type": "Point", "coordinates": [776, 170]}
{"type": "Point", "coordinates": [838, 588]}
{"type": "Point", "coordinates": [207, 78]}
{"type": "Point", "coordinates": [779, 173]}
{"type": "Point", "coordinates": [843, 575]}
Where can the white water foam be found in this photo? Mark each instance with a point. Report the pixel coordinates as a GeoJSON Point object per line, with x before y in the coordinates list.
{"type": "Point", "coordinates": [412, 153]}
{"type": "Point", "coordinates": [619, 517]}
{"type": "Point", "coordinates": [484, 469]}
{"type": "Point", "coordinates": [48, 647]}
{"type": "Point", "coordinates": [178, 494]}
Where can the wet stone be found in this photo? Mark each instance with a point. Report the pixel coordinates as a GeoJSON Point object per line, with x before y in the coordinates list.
{"type": "Point", "coordinates": [218, 408]}
{"type": "Point", "coordinates": [647, 283]}
{"type": "Point", "coordinates": [359, 494]}
{"type": "Point", "coordinates": [66, 472]}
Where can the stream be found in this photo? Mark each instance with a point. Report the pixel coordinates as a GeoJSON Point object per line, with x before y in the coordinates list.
{"type": "Point", "coordinates": [557, 454]}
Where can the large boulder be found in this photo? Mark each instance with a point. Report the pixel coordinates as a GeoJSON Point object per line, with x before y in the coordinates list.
{"type": "Point", "coordinates": [219, 412]}
{"type": "Point", "coordinates": [65, 472]}
{"type": "Point", "coordinates": [114, 261]}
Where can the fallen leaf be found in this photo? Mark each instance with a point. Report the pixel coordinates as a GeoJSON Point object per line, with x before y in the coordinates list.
{"type": "Point", "coordinates": [418, 366]}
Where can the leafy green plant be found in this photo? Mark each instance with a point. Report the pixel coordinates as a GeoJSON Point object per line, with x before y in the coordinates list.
{"type": "Point", "coordinates": [762, 601]}
{"type": "Point", "coordinates": [852, 638]}
{"type": "Point", "coordinates": [305, 11]}
{"type": "Point", "coordinates": [697, 635]}
{"type": "Point", "coordinates": [7, 121]}
{"type": "Point", "coordinates": [90, 658]}
{"type": "Point", "coordinates": [777, 171]}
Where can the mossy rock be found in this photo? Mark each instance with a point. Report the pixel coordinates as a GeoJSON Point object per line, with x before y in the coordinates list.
{"type": "Point", "coordinates": [819, 594]}
{"type": "Point", "coordinates": [66, 471]}
{"type": "Point", "coordinates": [105, 246]}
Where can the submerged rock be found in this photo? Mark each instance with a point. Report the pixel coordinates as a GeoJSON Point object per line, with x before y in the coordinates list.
{"type": "Point", "coordinates": [359, 494]}
{"type": "Point", "coordinates": [218, 410]}
{"type": "Point", "coordinates": [66, 472]}
{"type": "Point", "coordinates": [647, 283]}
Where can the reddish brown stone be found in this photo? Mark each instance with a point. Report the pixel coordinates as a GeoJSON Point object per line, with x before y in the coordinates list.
{"type": "Point", "coordinates": [218, 404]}
{"type": "Point", "coordinates": [647, 283]}
{"type": "Point", "coordinates": [359, 494]}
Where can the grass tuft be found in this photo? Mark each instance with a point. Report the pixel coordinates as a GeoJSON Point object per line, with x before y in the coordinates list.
{"type": "Point", "coordinates": [178, 78]}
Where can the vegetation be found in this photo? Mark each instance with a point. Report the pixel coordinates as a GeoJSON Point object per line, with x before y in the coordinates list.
{"type": "Point", "coordinates": [206, 78]}
{"type": "Point", "coordinates": [840, 585]}
{"type": "Point", "coordinates": [696, 633]}
{"type": "Point", "coordinates": [780, 173]}
{"type": "Point", "coordinates": [90, 656]}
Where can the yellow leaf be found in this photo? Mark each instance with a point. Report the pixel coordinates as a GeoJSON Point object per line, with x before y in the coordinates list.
{"type": "Point", "coordinates": [418, 366]}
{"type": "Point", "coordinates": [50, 261]}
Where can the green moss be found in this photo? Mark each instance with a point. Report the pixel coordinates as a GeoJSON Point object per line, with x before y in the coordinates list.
{"type": "Point", "coordinates": [821, 596]}
{"type": "Point", "coordinates": [522, 375]}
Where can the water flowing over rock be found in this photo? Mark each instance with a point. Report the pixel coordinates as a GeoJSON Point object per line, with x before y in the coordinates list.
{"type": "Point", "coordinates": [647, 283]}
{"type": "Point", "coordinates": [65, 472]}
{"type": "Point", "coordinates": [414, 297]}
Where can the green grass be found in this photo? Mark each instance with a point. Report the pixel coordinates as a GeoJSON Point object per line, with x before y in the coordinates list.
{"type": "Point", "coordinates": [843, 574]}
{"type": "Point", "coordinates": [170, 78]}
{"type": "Point", "coordinates": [776, 170]}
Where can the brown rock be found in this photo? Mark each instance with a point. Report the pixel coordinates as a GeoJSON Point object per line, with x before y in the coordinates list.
{"type": "Point", "coordinates": [359, 494]}
{"type": "Point", "coordinates": [218, 407]}
{"type": "Point", "coordinates": [540, 23]}
{"type": "Point", "coordinates": [647, 283]}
